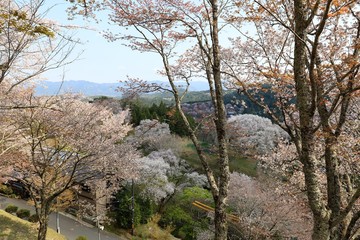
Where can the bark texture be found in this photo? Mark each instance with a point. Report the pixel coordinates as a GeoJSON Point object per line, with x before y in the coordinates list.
{"type": "Point", "coordinates": [331, 210]}
{"type": "Point", "coordinates": [220, 122]}
{"type": "Point", "coordinates": [43, 213]}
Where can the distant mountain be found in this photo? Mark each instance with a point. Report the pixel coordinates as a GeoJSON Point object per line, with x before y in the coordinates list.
{"type": "Point", "coordinates": [87, 88]}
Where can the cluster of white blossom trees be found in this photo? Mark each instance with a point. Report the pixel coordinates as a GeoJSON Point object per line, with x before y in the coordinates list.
{"type": "Point", "coordinates": [254, 135]}
{"type": "Point", "coordinates": [162, 172]}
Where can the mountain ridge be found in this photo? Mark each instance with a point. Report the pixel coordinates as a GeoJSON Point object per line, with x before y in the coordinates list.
{"type": "Point", "coordinates": [47, 88]}
{"type": "Point", "coordinates": [87, 88]}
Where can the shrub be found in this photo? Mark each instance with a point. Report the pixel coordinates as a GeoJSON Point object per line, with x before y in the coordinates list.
{"type": "Point", "coordinates": [11, 208]}
{"type": "Point", "coordinates": [151, 230]}
{"type": "Point", "coordinates": [81, 238]}
{"type": "Point", "coordinates": [33, 218]}
{"type": "Point", "coordinates": [185, 218]}
{"type": "Point", "coordinates": [5, 190]}
{"type": "Point", "coordinates": [23, 213]}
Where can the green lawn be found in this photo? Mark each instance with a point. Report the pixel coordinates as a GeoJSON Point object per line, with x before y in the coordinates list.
{"type": "Point", "coordinates": [14, 228]}
{"type": "Point", "coordinates": [237, 162]}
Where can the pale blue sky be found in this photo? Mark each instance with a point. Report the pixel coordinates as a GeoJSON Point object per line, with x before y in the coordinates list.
{"type": "Point", "coordinates": [101, 61]}
{"type": "Point", "coordinates": [104, 61]}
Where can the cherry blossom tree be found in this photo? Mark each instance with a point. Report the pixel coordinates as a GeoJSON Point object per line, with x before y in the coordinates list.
{"type": "Point", "coordinates": [284, 165]}
{"type": "Point", "coordinates": [30, 44]}
{"type": "Point", "coordinates": [266, 209]}
{"type": "Point", "coordinates": [151, 135]}
{"type": "Point", "coordinates": [307, 51]}
{"type": "Point", "coordinates": [164, 174]}
{"type": "Point", "coordinates": [66, 142]}
{"type": "Point", "coordinates": [253, 134]}
{"type": "Point", "coordinates": [159, 27]}
{"type": "Point", "coordinates": [8, 129]}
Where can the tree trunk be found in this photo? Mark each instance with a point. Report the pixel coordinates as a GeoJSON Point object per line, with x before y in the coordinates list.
{"type": "Point", "coordinates": [42, 229]}
{"type": "Point", "coordinates": [220, 219]}
{"type": "Point", "coordinates": [306, 96]}
{"type": "Point", "coordinates": [220, 122]}
{"type": "Point", "coordinates": [321, 228]}
{"type": "Point", "coordinates": [43, 213]}
{"type": "Point", "coordinates": [218, 184]}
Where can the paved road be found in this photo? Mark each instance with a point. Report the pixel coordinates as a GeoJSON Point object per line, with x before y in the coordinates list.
{"type": "Point", "coordinates": [69, 226]}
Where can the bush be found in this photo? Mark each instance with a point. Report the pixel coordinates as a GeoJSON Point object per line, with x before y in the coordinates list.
{"type": "Point", "coordinates": [81, 238]}
{"type": "Point", "coordinates": [11, 208]}
{"type": "Point", "coordinates": [33, 218]}
{"type": "Point", "coordinates": [122, 209]}
{"type": "Point", "coordinates": [151, 230]}
{"type": "Point", "coordinates": [23, 213]}
{"type": "Point", "coordinates": [5, 190]}
{"type": "Point", "coordinates": [185, 218]}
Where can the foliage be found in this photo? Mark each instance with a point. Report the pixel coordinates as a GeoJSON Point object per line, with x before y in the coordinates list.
{"type": "Point", "coordinates": [23, 213]}
{"type": "Point", "coordinates": [30, 45]}
{"type": "Point", "coordinates": [154, 178]}
{"type": "Point", "coordinates": [185, 218]}
{"type": "Point", "coordinates": [159, 27]}
{"type": "Point", "coordinates": [168, 98]}
{"type": "Point", "coordinates": [308, 54]}
{"type": "Point", "coordinates": [20, 21]}
{"type": "Point", "coordinates": [122, 209]}
{"type": "Point", "coordinates": [140, 111]}
{"type": "Point", "coordinates": [162, 176]}
{"type": "Point", "coordinates": [113, 104]}
{"type": "Point", "coordinates": [162, 113]}
{"type": "Point", "coordinates": [232, 97]}
{"type": "Point", "coordinates": [34, 218]}
{"type": "Point", "coordinates": [5, 189]}
{"type": "Point", "coordinates": [146, 207]}
{"type": "Point", "coordinates": [177, 124]}
{"type": "Point", "coordinates": [11, 208]}
{"type": "Point", "coordinates": [151, 135]}
{"type": "Point", "coordinates": [151, 230]}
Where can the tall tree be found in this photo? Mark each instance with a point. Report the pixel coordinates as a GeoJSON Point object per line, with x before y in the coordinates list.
{"type": "Point", "coordinates": [66, 142]}
{"type": "Point", "coordinates": [159, 27]}
{"type": "Point", "coordinates": [309, 53]}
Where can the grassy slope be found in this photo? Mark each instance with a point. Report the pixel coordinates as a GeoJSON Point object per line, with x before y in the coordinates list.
{"type": "Point", "coordinates": [237, 162]}
{"type": "Point", "coordinates": [14, 228]}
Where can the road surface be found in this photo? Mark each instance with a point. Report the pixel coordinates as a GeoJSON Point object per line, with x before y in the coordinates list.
{"type": "Point", "coordinates": [70, 227]}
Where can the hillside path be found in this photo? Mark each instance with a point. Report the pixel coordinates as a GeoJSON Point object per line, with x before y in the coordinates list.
{"type": "Point", "coordinates": [70, 227]}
